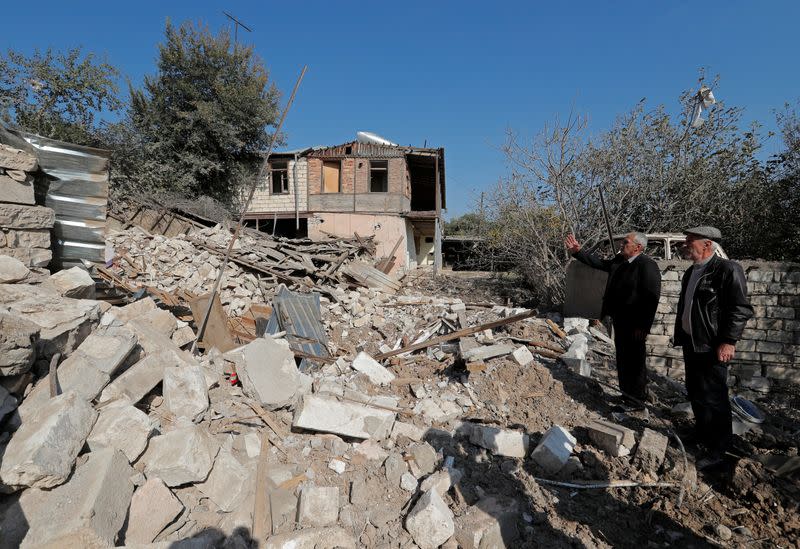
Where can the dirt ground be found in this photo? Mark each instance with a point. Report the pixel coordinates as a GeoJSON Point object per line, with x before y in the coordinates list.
{"type": "Point", "coordinates": [754, 507]}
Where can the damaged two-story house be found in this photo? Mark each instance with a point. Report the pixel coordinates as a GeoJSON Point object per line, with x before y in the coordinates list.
{"type": "Point", "coordinates": [367, 187]}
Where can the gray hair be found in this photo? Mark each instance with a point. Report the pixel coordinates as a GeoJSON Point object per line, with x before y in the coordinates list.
{"type": "Point", "coordinates": [640, 238]}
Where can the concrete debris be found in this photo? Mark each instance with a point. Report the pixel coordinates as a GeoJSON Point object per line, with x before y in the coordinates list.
{"type": "Point", "coordinates": [319, 505]}
{"type": "Point", "coordinates": [575, 325]}
{"type": "Point", "coordinates": [651, 450]}
{"type": "Point", "coordinates": [425, 458]}
{"type": "Point", "coordinates": [313, 538]}
{"type": "Point", "coordinates": [12, 270]}
{"type": "Point", "coordinates": [409, 430]}
{"type": "Point", "coordinates": [370, 450]}
{"type": "Point", "coordinates": [491, 522]}
{"type": "Point", "coordinates": [614, 439]}
{"type": "Point", "coordinates": [370, 367]}
{"type": "Point", "coordinates": [522, 356]}
{"type": "Point", "coordinates": [283, 508]}
{"type": "Point", "coordinates": [89, 369]}
{"type": "Point", "coordinates": [228, 481]}
{"type": "Point", "coordinates": [17, 159]}
{"type": "Point", "coordinates": [153, 507]}
{"type": "Point", "coordinates": [487, 352]}
{"type": "Point", "coordinates": [430, 522]}
{"type": "Point", "coordinates": [125, 428]}
{"type": "Point", "coordinates": [89, 510]}
{"type": "Point", "coordinates": [576, 352]}
{"type": "Point", "coordinates": [348, 419]}
{"type": "Point", "coordinates": [42, 452]}
{"type": "Point", "coordinates": [408, 482]}
{"type": "Point", "coordinates": [74, 282]}
{"type": "Point", "coordinates": [18, 338]}
{"type": "Point", "coordinates": [442, 480]}
{"type": "Point", "coordinates": [268, 372]}
{"type": "Point", "coordinates": [185, 391]}
{"type": "Point", "coordinates": [601, 336]}
{"type": "Point", "coordinates": [141, 378]}
{"type": "Point", "coordinates": [179, 457]}
{"type": "Point", "coordinates": [500, 441]}
{"type": "Point", "coordinates": [553, 451]}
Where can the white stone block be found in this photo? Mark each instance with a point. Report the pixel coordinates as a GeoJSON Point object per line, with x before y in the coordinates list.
{"type": "Point", "coordinates": [522, 356]}
{"type": "Point", "coordinates": [74, 282]}
{"type": "Point", "coordinates": [185, 391]}
{"type": "Point", "coordinates": [554, 449]}
{"type": "Point", "coordinates": [11, 269]}
{"type": "Point", "coordinates": [43, 450]}
{"type": "Point", "coordinates": [319, 505]}
{"type": "Point", "coordinates": [228, 481]}
{"type": "Point", "coordinates": [125, 428]}
{"type": "Point", "coordinates": [430, 522]}
{"type": "Point", "coordinates": [328, 415]}
{"type": "Point", "coordinates": [267, 370]}
{"type": "Point", "coordinates": [502, 442]}
{"type": "Point", "coordinates": [182, 456]}
{"type": "Point", "coordinates": [153, 507]}
{"type": "Point", "coordinates": [368, 366]}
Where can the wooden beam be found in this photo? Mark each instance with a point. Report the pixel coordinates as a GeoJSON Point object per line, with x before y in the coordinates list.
{"type": "Point", "coordinates": [455, 335]}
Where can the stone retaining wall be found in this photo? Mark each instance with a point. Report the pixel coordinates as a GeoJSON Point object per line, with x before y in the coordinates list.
{"type": "Point", "coordinates": [771, 340]}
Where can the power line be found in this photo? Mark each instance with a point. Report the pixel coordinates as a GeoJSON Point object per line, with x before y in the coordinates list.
{"type": "Point", "coordinates": [236, 25]}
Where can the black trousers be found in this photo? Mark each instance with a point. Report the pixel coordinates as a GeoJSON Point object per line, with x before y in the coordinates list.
{"type": "Point", "coordinates": [707, 384]}
{"type": "Point", "coordinates": [631, 370]}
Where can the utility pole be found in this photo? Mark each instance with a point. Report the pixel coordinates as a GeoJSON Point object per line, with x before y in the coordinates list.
{"type": "Point", "coordinates": [236, 25]}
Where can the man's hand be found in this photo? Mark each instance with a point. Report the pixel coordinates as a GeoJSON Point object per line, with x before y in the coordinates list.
{"type": "Point", "coordinates": [572, 245]}
{"type": "Point", "coordinates": [725, 352]}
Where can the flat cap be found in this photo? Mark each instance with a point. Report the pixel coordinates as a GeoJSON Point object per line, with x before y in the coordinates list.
{"type": "Point", "coordinates": [711, 233]}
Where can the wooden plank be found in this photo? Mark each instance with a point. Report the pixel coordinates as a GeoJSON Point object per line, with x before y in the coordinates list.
{"type": "Point", "coordinates": [456, 335]}
{"type": "Point", "coordinates": [216, 333]}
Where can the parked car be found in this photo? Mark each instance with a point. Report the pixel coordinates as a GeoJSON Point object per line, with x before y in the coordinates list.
{"type": "Point", "coordinates": [659, 246]}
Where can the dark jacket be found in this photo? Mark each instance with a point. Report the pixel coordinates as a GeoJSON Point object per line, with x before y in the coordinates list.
{"type": "Point", "coordinates": [632, 290]}
{"type": "Point", "coordinates": [720, 308]}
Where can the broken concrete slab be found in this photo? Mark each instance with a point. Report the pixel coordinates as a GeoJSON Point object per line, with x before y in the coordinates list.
{"type": "Point", "coordinates": [87, 511]}
{"type": "Point", "coordinates": [577, 351]}
{"type": "Point", "coordinates": [64, 322]}
{"type": "Point", "coordinates": [16, 216]}
{"type": "Point", "coordinates": [370, 367]}
{"type": "Point", "coordinates": [425, 458]}
{"type": "Point", "coordinates": [651, 450]}
{"type": "Point", "coordinates": [313, 538]}
{"type": "Point", "coordinates": [440, 411]}
{"type": "Point", "coordinates": [522, 356]}
{"type": "Point", "coordinates": [487, 352]}
{"type": "Point", "coordinates": [125, 428]}
{"type": "Point", "coordinates": [87, 370]}
{"type": "Point", "coordinates": [42, 452]}
{"type": "Point", "coordinates": [268, 372]}
{"type": "Point", "coordinates": [282, 507]}
{"type": "Point", "coordinates": [183, 336]}
{"type": "Point", "coordinates": [442, 480]}
{"type": "Point", "coordinates": [185, 391]}
{"type": "Point", "coordinates": [228, 481]}
{"type": "Point", "coordinates": [554, 449]}
{"type": "Point", "coordinates": [370, 450]}
{"type": "Point", "coordinates": [18, 338]}
{"type": "Point", "coordinates": [133, 310]}
{"type": "Point", "coordinates": [328, 415]}
{"type": "Point", "coordinates": [574, 324]}
{"type": "Point", "coordinates": [16, 159]}
{"type": "Point", "coordinates": [616, 440]}
{"type": "Point", "coordinates": [142, 377]}
{"type": "Point", "coordinates": [490, 523]}
{"type": "Point", "coordinates": [153, 507]}
{"type": "Point", "coordinates": [182, 456]}
{"type": "Point", "coordinates": [12, 269]}
{"type": "Point", "coordinates": [430, 522]}
{"type": "Point", "coordinates": [501, 442]}
{"type": "Point", "coordinates": [75, 283]}
{"type": "Point", "coordinates": [409, 430]}
{"type": "Point", "coordinates": [319, 505]}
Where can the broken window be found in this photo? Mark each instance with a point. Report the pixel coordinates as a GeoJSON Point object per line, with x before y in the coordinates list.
{"type": "Point", "coordinates": [379, 176]}
{"type": "Point", "coordinates": [331, 181]}
{"type": "Point", "coordinates": [280, 176]}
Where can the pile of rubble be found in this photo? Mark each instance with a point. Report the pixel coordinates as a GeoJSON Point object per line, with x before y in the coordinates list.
{"type": "Point", "coordinates": [24, 227]}
{"type": "Point", "coordinates": [436, 423]}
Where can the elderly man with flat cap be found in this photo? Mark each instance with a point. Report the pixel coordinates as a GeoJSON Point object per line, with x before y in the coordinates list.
{"type": "Point", "coordinates": [631, 300]}
{"type": "Point", "coordinates": [712, 312]}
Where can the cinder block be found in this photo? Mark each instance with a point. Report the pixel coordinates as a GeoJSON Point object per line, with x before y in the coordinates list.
{"type": "Point", "coordinates": [554, 449]}
{"type": "Point", "coordinates": [615, 439]}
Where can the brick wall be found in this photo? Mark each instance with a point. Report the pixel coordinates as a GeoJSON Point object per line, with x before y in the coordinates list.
{"type": "Point", "coordinates": [265, 201]}
{"type": "Point", "coordinates": [771, 340]}
{"type": "Point", "coordinates": [398, 175]}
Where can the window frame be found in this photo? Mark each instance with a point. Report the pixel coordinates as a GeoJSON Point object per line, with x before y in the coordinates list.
{"type": "Point", "coordinates": [285, 179]}
{"type": "Point", "coordinates": [386, 174]}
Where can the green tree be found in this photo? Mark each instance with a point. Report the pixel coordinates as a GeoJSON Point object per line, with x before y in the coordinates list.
{"type": "Point", "coordinates": [58, 95]}
{"type": "Point", "coordinates": [469, 224]}
{"type": "Point", "coordinates": [203, 118]}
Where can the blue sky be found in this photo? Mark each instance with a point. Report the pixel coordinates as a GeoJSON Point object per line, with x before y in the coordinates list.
{"type": "Point", "coordinates": [458, 74]}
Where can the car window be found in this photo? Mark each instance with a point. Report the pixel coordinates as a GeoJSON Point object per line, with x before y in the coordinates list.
{"type": "Point", "coordinates": [655, 249]}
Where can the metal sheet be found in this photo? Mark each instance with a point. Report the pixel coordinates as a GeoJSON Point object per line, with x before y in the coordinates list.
{"type": "Point", "coordinates": [299, 315]}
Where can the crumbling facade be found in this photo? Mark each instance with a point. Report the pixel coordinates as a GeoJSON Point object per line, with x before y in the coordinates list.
{"type": "Point", "coordinates": [365, 187]}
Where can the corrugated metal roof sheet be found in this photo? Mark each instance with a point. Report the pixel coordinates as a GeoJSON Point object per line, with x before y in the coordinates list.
{"type": "Point", "coordinates": [299, 315]}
